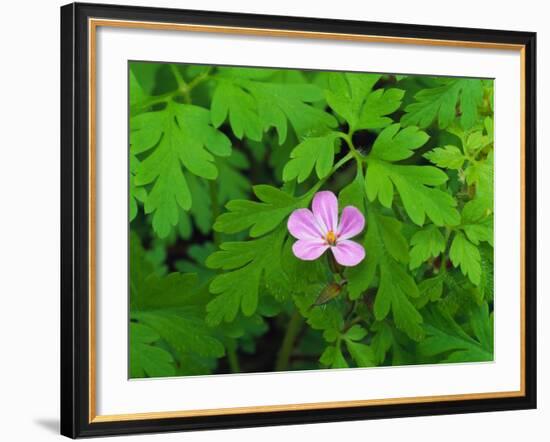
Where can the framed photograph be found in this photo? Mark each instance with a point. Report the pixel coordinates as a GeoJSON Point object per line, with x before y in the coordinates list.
{"type": "Point", "coordinates": [279, 220]}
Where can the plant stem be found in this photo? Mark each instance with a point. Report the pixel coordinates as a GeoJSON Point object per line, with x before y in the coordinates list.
{"type": "Point", "coordinates": [183, 90]}
{"type": "Point", "coordinates": [337, 166]}
{"type": "Point", "coordinates": [340, 163]}
{"type": "Point", "coordinates": [199, 78]}
{"type": "Point", "coordinates": [183, 87]}
{"type": "Point", "coordinates": [349, 142]}
{"type": "Point", "coordinates": [232, 357]}
{"type": "Point", "coordinates": [182, 84]}
{"type": "Point", "coordinates": [292, 332]}
{"type": "Point", "coordinates": [150, 101]}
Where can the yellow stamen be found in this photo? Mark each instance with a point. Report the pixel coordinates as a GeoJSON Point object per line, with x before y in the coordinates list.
{"type": "Point", "coordinates": [331, 238]}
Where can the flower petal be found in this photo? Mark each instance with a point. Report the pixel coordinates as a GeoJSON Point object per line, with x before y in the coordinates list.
{"type": "Point", "coordinates": [302, 225]}
{"type": "Point", "coordinates": [308, 250]}
{"type": "Point", "coordinates": [352, 222]}
{"type": "Point", "coordinates": [348, 253]}
{"type": "Point", "coordinates": [325, 210]}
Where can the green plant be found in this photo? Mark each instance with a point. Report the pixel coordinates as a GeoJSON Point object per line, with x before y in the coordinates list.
{"type": "Point", "coordinates": [221, 157]}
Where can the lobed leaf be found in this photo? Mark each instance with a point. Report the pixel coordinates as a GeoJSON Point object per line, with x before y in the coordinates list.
{"type": "Point", "coordinates": [233, 103]}
{"type": "Point", "coordinates": [387, 251]}
{"type": "Point", "coordinates": [313, 152]}
{"type": "Point", "coordinates": [441, 102]}
{"type": "Point", "coordinates": [262, 217]}
{"type": "Point", "coordinates": [238, 289]}
{"type": "Point", "coordinates": [447, 338]}
{"type": "Point", "coordinates": [352, 96]}
{"type": "Point", "coordinates": [147, 359]}
{"type": "Point", "coordinates": [448, 157]}
{"type": "Point", "coordinates": [426, 243]}
{"type": "Point", "coordinates": [466, 255]}
{"type": "Point", "coordinates": [171, 310]}
{"type": "Point", "coordinates": [416, 186]}
{"type": "Point", "coordinates": [254, 104]}
{"type": "Point", "coordinates": [395, 143]}
{"type": "Point", "coordinates": [177, 137]}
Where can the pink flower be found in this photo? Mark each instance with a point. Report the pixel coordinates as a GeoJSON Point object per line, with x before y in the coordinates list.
{"type": "Point", "coordinates": [319, 230]}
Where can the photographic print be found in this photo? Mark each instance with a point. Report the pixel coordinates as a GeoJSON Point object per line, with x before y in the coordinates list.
{"type": "Point", "coordinates": [301, 220]}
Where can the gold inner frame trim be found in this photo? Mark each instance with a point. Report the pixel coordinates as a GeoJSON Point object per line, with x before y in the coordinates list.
{"type": "Point", "coordinates": [93, 24]}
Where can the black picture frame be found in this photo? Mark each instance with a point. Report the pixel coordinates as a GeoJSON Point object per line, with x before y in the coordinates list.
{"type": "Point", "coordinates": [75, 219]}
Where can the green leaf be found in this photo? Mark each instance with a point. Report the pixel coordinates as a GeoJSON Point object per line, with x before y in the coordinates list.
{"type": "Point", "coordinates": [489, 128]}
{"type": "Point", "coordinates": [201, 209]}
{"type": "Point", "coordinates": [464, 254]}
{"type": "Point", "coordinates": [479, 231]}
{"type": "Point", "coordinates": [173, 306]}
{"type": "Point", "coordinates": [377, 105]}
{"type": "Point", "coordinates": [146, 359]}
{"type": "Point", "coordinates": [448, 157]}
{"type": "Point", "coordinates": [387, 338]}
{"type": "Point", "coordinates": [447, 338]}
{"type": "Point", "coordinates": [415, 184]}
{"type": "Point", "coordinates": [305, 278]}
{"type": "Point", "coordinates": [486, 286]}
{"type": "Point", "coordinates": [175, 138]}
{"type": "Point", "coordinates": [262, 217]}
{"type": "Point", "coordinates": [254, 104]}
{"type": "Point", "coordinates": [382, 341]}
{"type": "Point", "coordinates": [362, 354]}
{"type": "Point", "coordinates": [481, 322]}
{"type": "Point", "coordinates": [239, 288]}
{"type": "Point", "coordinates": [470, 99]}
{"type": "Point", "coordinates": [347, 93]}
{"type": "Point", "coordinates": [480, 174]}
{"type": "Point", "coordinates": [355, 333]}
{"type": "Point", "coordinates": [385, 258]}
{"type": "Point", "coordinates": [230, 101]}
{"type": "Point", "coordinates": [279, 102]}
{"type": "Point", "coordinates": [169, 305]}
{"type": "Point", "coordinates": [440, 103]}
{"type": "Point", "coordinates": [136, 193]}
{"type": "Point", "coordinates": [475, 141]}
{"type": "Point", "coordinates": [233, 182]}
{"type": "Point", "coordinates": [461, 296]}
{"type": "Point", "coordinates": [393, 240]}
{"type": "Point", "coordinates": [141, 84]}
{"type": "Point", "coordinates": [353, 194]}
{"type": "Point", "coordinates": [197, 254]}
{"type": "Point", "coordinates": [396, 286]}
{"type": "Point", "coordinates": [430, 290]}
{"type": "Point", "coordinates": [395, 144]}
{"type": "Point", "coordinates": [426, 243]}
{"type": "Point", "coordinates": [137, 94]}
{"type": "Point", "coordinates": [315, 152]}
{"type": "Point", "coordinates": [383, 237]}
{"type": "Point", "coordinates": [352, 97]}
{"type": "Point", "coordinates": [331, 335]}
{"type": "Point", "coordinates": [144, 75]}
{"type": "Point", "coordinates": [183, 329]}
{"type": "Point", "coordinates": [477, 219]}
{"type": "Point", "coordinates": [328, 317]}
{"type": "Point", "coordinates": [333, 357]}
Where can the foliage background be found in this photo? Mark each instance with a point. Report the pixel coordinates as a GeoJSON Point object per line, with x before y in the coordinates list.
{"type": "Point", "coordinates": [219, 158]}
